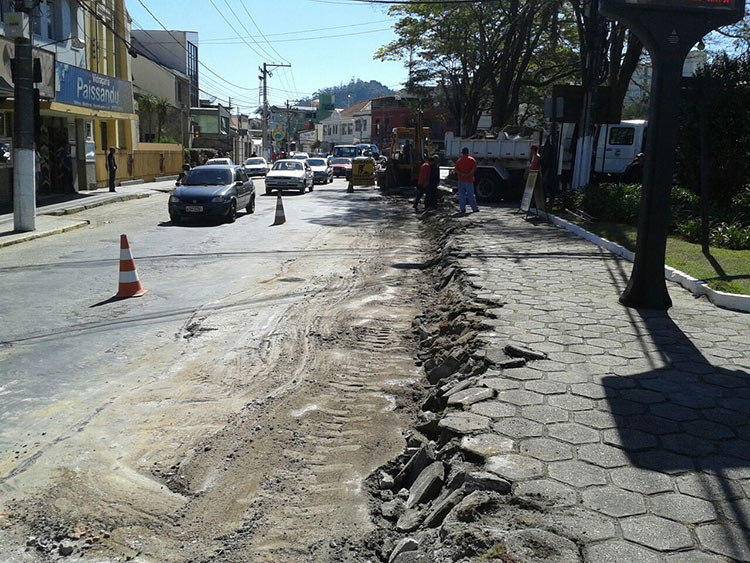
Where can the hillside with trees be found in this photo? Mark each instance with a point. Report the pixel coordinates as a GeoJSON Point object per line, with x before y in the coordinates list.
{"type": "Point", "coordinates": [359, 90]}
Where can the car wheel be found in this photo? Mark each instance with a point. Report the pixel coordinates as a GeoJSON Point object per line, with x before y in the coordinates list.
{"type": "Point", "coordinates": [251, 205]}
{"type": "Point", "coordinates": [330, 179]}
{"type": "Point", "coordinates": [232, 215]}
{"type": "Point", "coordinates": [303, 189]}
{"type": "Point", "coordinates": [175, 219]}
{"type": "Point", "coordinates": [312, 185]}
{"type": "Point", "coordinates": [268, 191]}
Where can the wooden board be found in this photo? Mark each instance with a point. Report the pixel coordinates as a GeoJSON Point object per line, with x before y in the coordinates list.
{"type": "Point", "coordinates": [533, 190]}
{"type": "Point", "coordinates": [528, 191]}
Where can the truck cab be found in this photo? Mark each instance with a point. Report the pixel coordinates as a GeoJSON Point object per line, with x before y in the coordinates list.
{"type": "Point", "coordinates": [618, 145]}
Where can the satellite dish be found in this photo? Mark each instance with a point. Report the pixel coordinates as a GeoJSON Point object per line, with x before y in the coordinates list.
{"type": "Point", "coordinates": [211, 99]}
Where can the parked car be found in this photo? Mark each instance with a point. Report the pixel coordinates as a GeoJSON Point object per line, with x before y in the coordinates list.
{"type": "Point", "coordinates": [341, 166]}
{"type": "Point", "coordinates": [256, 166]}
{"type": "Point", "coordinates": [300, 156]}
{"type": "Point", "coordinates": [322, 172]}
{"type": "Point", "coordinates": [216, 191]}
{"type": "Point", "coordinates": [289, 174]}
{"type": "Point", "coordinates": [224, 161]}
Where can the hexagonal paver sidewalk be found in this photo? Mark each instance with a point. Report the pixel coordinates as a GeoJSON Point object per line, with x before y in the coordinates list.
{"type": "Point", "coordinates": [637, 416]}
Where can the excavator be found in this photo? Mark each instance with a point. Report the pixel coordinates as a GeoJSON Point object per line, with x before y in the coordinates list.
{"type": "Point", "coordinates": [408, 146]}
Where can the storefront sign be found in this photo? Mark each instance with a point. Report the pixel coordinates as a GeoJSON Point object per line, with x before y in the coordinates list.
{"type": "Point", "coordinates": [80, 87]}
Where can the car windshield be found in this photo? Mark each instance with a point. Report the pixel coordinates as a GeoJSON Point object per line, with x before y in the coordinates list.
{"type": "Point", "coordinates": [254, 161]}
{"type": "Point", "coordinates": [286, 165]}
{"type": "Point", "coordinates": [341, 161]}
{"type": "Point", "coordinates": [208, 177]}
{"type": "Point", "coordinates": [316, 162]}
{"type": "Point", "coordinates": [349, 152]}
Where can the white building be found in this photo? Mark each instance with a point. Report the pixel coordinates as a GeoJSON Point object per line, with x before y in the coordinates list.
{"type": "Point", "coordinates": [348, 126]}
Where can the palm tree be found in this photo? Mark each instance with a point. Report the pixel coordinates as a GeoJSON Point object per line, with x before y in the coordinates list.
{"type": "Point", "coordinates": [162, 107]}
{"type": "Point", "coordinates": [147, 104]}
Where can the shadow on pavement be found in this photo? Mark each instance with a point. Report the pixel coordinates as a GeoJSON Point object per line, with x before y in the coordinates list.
{"type": "Point", "coordinates": [677, 414]}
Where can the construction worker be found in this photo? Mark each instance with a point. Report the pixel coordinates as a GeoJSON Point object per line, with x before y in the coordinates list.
{"type": "Point", "coordinates": [465, 168]}
{"type": "Point", "coordinates": [423, 182]}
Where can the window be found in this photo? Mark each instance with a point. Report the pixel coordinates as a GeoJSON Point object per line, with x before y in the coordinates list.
{"type": "Point", "coordinates": [621, 136]}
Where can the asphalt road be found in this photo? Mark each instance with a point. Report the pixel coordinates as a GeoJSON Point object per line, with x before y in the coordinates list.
{"type": "Point", "coordinates": [61, 339]}
{"type": "Point", "coordinates": [263, 359]}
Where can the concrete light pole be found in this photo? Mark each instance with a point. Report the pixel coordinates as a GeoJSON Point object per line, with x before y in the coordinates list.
{"type": "Point", "coordinates": [24, 156]}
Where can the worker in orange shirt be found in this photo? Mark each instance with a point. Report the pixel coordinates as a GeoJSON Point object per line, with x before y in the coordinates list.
{"type": "Point", "coordinates": [465, 168]}
{"type": "Point", "coordinates": [423, 181]}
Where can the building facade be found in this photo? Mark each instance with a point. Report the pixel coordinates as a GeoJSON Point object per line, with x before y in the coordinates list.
{"type": "Point", "coordinates": [86, 100]}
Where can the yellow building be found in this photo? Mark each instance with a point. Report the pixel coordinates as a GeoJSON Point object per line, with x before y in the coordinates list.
{"type": "Point", "coordinates": [86, 101]}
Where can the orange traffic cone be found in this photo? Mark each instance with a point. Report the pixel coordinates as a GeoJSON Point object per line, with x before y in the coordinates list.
{"type": "Point", "coordinates": [130, 285]}
{"type": "Point", "coordinates": [280, 219]}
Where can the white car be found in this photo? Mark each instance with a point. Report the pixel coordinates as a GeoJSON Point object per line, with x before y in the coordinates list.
{"type": "Point", "coordinates": [322, 172]}
{"type": "Point", "coordinates": [256, 166]}
{"type": "Point", "coordinates": [289, 174]}
{"type": "Point", "coordinates": [222, 161]}
{"type": "Point", "coordinates": [300, 156]}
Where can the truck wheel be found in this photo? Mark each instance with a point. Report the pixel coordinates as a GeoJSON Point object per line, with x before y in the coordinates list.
{"type": "Point", "coordinates": [487, 188]}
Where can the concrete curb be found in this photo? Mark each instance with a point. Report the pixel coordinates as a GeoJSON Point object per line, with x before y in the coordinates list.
{"type": "Point", "coordinates": [83, 207]}
{"type": "Point", "coordinates": [165, 178]}
{"type": "Point", "coordinates": [133, 182]}
{"type": "Point", "coordinates": [734, 301]}
{"type": "Point", "coordinates": [41, 234]}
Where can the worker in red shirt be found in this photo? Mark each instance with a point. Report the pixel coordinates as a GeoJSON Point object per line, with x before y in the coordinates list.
{"type": "Point", "coordinates": [423, 181]}
{"type": "Point", "coordinates": [465, 168]}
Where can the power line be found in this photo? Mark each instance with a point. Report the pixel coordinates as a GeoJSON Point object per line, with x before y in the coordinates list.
{"type": "Point", "coordinates": [219, 40]}
{"type": "Point", "coordinates": [299, 39]}
{"type": "Point", "coordinates": [185, 48]}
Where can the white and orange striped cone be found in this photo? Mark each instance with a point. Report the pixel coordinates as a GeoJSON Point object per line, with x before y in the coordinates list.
{"type": "Point", "coordinates": [130, 285]}
{"type": "Point", "coordinates": [280, 218]}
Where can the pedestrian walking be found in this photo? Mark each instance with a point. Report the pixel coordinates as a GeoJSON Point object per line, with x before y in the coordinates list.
{"type": "Point", "coordinates": [430, 198]}
{"type": "Point", "coordinates": [465, 168]}
{"type": "Point", "coordinates": [112, 168]}
{"type": "Point", "coordinates": [422, 182]}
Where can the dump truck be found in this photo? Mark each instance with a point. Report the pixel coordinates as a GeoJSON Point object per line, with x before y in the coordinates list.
{"type": "Point", "coordinates": [502, 160]}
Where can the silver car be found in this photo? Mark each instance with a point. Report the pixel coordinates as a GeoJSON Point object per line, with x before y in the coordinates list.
{"type": "Point", "coordinates": [289, 174]}
{"type": "Point", "coordinates": [322, 171]}
{"type": "Point", "coordinates": [256, 166]}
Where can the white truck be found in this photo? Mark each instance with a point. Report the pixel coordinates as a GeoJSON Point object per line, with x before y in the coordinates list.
{"type": "Point", "coordinates": [615, 149]}
{"type": "Point", "coordinates": [503, 161]}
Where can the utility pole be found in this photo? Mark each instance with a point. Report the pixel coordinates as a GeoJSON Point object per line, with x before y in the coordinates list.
{"type": "Point", "coordinates": [24, 156]}
{"type": "Point", "coordinates": [265, 73]}
{"type": "Point", "coordinates": [288, 126]}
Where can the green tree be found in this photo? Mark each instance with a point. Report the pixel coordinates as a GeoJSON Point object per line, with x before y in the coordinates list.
{"type": "Point", "coordinates": [146, 107]}
{"type": "Point", "coordinates": [162, 108]}
{"type": "Point", "coordinates": [724, 98]}
{"type": "Point", "coordinates": [481, 55]}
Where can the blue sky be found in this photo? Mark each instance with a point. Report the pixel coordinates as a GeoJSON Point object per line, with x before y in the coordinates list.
{"type": "Point", "coordinates": [294, 33]}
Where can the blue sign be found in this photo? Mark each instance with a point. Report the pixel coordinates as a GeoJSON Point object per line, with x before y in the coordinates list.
{"type": "Point", "coordinates": [80, 87]}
